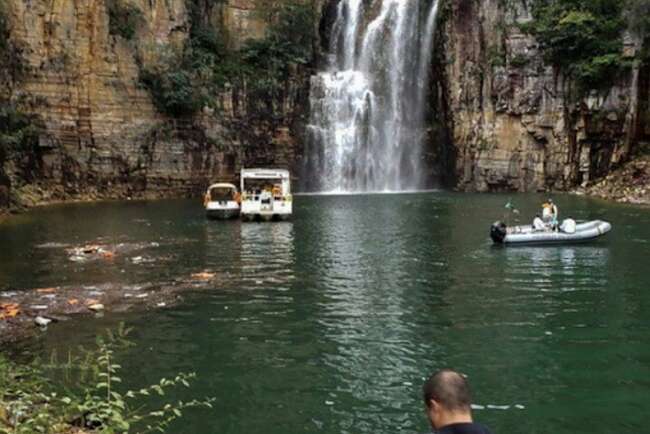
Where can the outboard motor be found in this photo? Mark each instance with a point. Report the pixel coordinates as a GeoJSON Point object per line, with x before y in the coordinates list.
{"type": "Point", "coordinates": [498, 232]}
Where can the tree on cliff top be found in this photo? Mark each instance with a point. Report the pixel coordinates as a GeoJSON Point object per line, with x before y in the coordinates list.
{"type": "Point", "coordinates": [193, 78]}
{"type": "Point", "coordinates": [583, 38]}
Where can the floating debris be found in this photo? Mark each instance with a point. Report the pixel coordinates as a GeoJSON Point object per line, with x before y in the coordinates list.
{"type": "Point", "coordinates": [19, 309]}
{"type": "Point", "coordinates": [41, 321]}
{"type": "Point", "coordinates": [52, 245]}
{"type": "Point", "coordinates": [46, 290]}
{"type": "Point", "coordinates": [205, 275]}
{"type": "Point", "coordinates": [108, 255]}
{"type": "Point", "coordinates": [91, 249]}
{"type": "Point", "coordinates": [97, 307]}
{"type": "Point", "coordinates": [9, 310]}
{"type": "Point", "coordinates": [144, 260]}
{"type": "Point", "coordinates": [90, 252]}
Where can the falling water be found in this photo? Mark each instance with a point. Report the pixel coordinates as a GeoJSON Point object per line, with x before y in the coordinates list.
{"type": "Point", "coordinates": [367, 108]}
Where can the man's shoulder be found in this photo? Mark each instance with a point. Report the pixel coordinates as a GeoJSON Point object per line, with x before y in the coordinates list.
{"type": "Point", "coordinates": [464, 428]}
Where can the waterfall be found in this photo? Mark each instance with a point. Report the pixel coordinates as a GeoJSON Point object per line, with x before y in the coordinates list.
{"type": "Point", "coordinates": [367, 125]}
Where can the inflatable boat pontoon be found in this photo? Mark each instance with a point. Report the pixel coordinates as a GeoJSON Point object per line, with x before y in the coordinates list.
{"type": "Point", "coordinates": [502, 234]}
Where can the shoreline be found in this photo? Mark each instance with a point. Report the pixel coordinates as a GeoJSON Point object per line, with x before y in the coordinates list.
{"type": "Point", "coordinates": [30, 201]}
{"type": "Point", "coordinates": [629, 184]}
{"type": "Point", "coordinates": [631, 195]}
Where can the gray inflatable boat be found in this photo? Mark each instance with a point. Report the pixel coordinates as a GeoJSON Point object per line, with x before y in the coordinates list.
{"type": "Point", "coordinates": [515, 235]}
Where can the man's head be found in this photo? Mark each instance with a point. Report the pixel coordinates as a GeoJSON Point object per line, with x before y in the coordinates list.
{"type": "Point", "coordinates": [550, 201]}
{"type": "Point", "coordinates": [447, 399]}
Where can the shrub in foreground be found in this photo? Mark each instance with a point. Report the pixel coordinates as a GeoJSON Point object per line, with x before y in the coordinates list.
{"type": "Point", "coordinates": [92, 401]}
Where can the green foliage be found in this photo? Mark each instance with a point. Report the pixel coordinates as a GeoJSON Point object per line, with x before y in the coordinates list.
{"type": "Point", "coordinates": [12, 64]}
{"type": "Point", "coordinates": [200, 12]}
{"type": "Point", "coordinates": [123, 18]}
{"type": "Point", "coordinates": [172, 91]}
{"type": "Point", "coordinates": [24, 401]}
{"type": "Point", "coordinates": [4, 26]}
{"type": "Point", "coordinates": [495, 56]}
{"type": "Point", "coordinates": [264, 65]}
{"type": "Point", "coordinates": [19, 131]}
{"type": "Point", "coordinates": [191, 79]}
{"type": "Point", "coordinates": [583, 38]}
{"type": "Point", "coordinates": [94, 400]}
{"type": "Point", "coordinates": [519, 61]}
{"type": "Point", "coordinates": [291, 35]}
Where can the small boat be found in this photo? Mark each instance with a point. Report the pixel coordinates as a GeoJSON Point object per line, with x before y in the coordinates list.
{"type": "Point", "coordinates": [222, 202]}
{"type": "Point", "coordinates": [568, 232]}
{"type": "Point", "coordinates": [266, 194]}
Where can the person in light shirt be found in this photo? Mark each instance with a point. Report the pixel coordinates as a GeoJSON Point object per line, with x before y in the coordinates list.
{"type": "Point", "coordinates": [550, 213]}
{"type": "Point", "coordinates": [538, 224]}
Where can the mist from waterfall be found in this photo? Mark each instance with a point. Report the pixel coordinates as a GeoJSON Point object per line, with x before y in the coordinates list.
{"type": "Point", "coordinates": [368, 108]}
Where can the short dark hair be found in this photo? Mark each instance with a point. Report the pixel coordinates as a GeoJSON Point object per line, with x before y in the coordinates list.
{"type": "Point", "coordinates": [450, 389]}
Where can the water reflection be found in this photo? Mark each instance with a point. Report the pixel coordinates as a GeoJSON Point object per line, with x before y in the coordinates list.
{"type": "Point", "coordinates": [267, 255]}
{"type": "Point", "coordinates": [559, 268]}
{"type": "Point", "coordinates": [363, 263]}
{"type": "Point", "coordinates": [223, 247]}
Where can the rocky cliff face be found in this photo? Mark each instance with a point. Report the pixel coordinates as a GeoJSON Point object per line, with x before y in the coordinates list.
{"type": "Point", "coordinates": [103, 136]}
{"type": "Point", "coordinates": [514, 121]}
{"type": "Point", "coordinates": [503, 118]}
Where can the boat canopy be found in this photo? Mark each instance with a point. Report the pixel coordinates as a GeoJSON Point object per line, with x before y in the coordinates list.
{"type": "Point", "coordinates": [267, 174]}
{"type": "Point", "coordinates": [223, 185]}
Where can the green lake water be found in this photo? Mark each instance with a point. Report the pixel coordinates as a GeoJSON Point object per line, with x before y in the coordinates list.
{"type": "Point", "coordinates": [329, 323]}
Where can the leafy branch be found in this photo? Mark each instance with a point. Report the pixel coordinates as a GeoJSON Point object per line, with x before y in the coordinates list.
{"type": "Point", "coordinates": [94, 401]}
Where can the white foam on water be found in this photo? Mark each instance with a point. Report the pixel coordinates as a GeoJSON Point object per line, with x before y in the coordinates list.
{"type": "Point", "coordinates": [501, 407]}
{"type": "Point", "coordinates": [365, 193]}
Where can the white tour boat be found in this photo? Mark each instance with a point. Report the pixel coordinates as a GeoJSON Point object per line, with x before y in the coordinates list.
{"type": "Point", "coordinates": [266, 194]}
{"type": "Point", "coordinates": [222, 201]}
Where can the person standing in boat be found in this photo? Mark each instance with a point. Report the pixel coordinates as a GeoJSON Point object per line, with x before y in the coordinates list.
{"type": "Point", "coordinates": [550, 213]}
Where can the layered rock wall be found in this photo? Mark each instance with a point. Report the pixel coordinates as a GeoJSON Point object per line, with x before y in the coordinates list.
{"type": "Point", "coordinates": [514, 121]}
{"type": "Point", "coordinates": [103, 136]}
{"type": "Point", "coordinates": [502, 119]}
